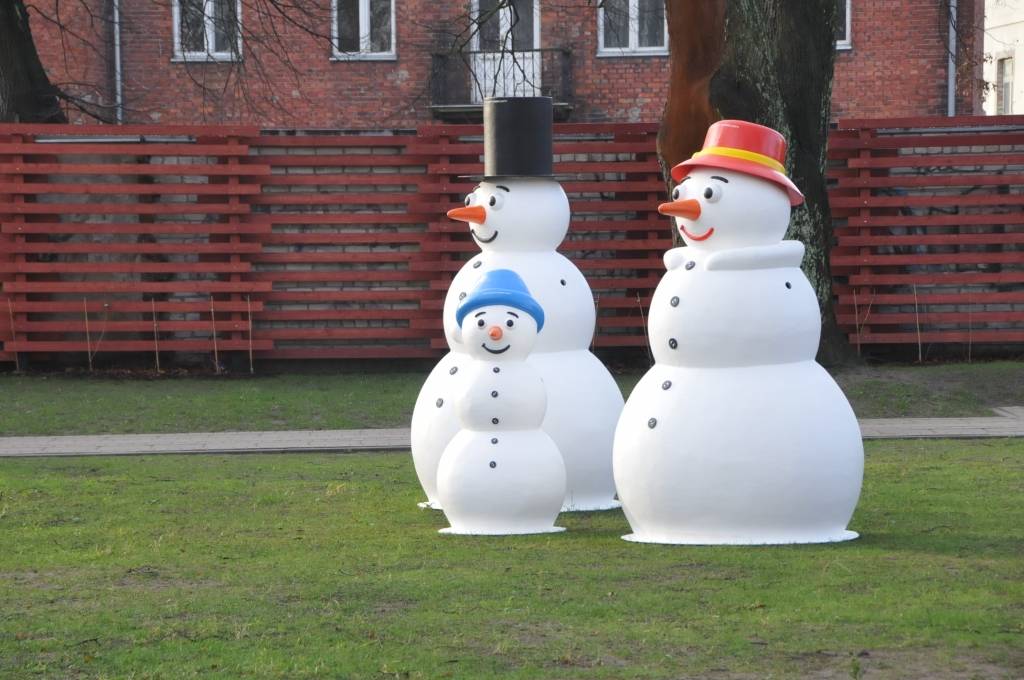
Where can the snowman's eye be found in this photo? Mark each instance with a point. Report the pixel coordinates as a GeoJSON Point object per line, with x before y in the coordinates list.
{"type": "Point", "coordinates": [675, 194]}
{"type": "Point", "coordinates": [469, 200]}
{"type": "Point", "coordinates": [510, 323]}
{"type": "Point", "coordinates": [496, 201]}
{"type": "Point", "coordinates": [712, 193]}
{"type": "Point", "coordinates": [480, 323]}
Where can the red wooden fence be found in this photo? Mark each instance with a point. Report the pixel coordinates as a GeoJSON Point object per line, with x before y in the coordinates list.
{"type": "Point", "coordinates": [128, 243]}
{"type": "Point", "coordinates": [286, 245]}
{"type": "Point", "coordinates": [292, 245]}
{"type": "Point", "coordinates": [929, 230]}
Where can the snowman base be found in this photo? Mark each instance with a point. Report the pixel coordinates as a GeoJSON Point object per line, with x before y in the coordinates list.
{"type": "Point", "coordinates": [429, 505]}
{"type": "Point", "coordinates": [452, 531]}
{"type": "Point", "coordinates": [839, 537]}
{"type": "Point", "coordinates": [593, 505]}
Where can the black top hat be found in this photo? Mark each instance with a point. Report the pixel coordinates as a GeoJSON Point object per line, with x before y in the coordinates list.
{"type": "Point", "coordinates": [517, 137]}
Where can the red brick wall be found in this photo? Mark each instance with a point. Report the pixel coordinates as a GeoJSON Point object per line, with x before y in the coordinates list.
{"type": "Point", "coordinates": [77, 58]}
{"type": "Point", "coordinates": [307, 90]}
{"type": "Point", "coordinates": [619, 89]}
{"type": "Point", "coordinates": [896, 67]}
{"type": "Point", "coordinates": [898, 62]}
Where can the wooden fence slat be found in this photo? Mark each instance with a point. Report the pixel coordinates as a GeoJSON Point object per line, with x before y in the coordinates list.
{"type": "Point", "coordinates": [114, 306]}
{"type": "Point", "coordinates": [134, 169]}
{"type": "Point", "coordinates": [252, 225]}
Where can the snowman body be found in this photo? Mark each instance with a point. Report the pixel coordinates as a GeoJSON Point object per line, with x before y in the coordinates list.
{"type": "Point", "coordinates": [737, 435]}
{"type": "Point", "coordinates": [504, 478]}
{"type": "Point", "coordinates": [500, 473]}
{"type": "Point", "coordinates": [583, 399]}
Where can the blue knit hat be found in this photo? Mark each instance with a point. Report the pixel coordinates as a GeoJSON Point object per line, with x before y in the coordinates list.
{"type": "Point", "coordinates": [501, 287]}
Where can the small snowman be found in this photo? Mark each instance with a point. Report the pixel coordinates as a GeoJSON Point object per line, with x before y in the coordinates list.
{"type": "Point", "coordinates": [501, 473]}
{"type": "Point", "coordinates": [736, 435]}
{"type": "Point", "coordinates": [518, 215]}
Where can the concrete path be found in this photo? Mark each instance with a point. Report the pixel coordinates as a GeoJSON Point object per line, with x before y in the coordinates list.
{"type": "Point", "coordinates": [1008, 423]}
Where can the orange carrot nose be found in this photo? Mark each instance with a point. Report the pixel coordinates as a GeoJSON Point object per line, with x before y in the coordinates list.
{"type": "Point", "coordinates": [471, 213]}
{"type": "Point", "coordinates": [495, 333]}
{"type": "Point", "coordinates": [688, 208]}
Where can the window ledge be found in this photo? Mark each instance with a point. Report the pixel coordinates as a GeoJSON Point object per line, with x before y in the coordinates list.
{"type": "Point", "coordinates": [205, 58]}
{"type": "Point", "coordinates": [615, 52]}
{"type": "Point", "coordinates": [843, 46]}
{"type": "Point", "coordinates": [364, 56]}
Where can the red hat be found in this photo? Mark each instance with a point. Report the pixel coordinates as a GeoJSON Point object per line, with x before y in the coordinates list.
{"type": "Point", "coordinates": [744, 147]}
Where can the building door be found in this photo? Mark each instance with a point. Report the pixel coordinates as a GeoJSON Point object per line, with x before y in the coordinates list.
{"type": "Point", "coordinates": [505, 61]}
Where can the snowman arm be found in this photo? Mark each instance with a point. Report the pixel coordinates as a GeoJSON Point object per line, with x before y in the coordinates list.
{"type": "Point", "coordinates": [674, 258]}
{"type": "Point", "coordinates": [783, 254]}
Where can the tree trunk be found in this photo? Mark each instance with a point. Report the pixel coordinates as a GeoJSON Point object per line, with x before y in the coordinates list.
{"type": "Point", "coordinates": [769, 62]}
{"type": "Point", "coordinates": [26, 94]}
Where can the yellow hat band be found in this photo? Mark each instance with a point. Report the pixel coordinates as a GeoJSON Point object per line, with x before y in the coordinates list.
{"type": "Point", "coordinates": [744, 155]}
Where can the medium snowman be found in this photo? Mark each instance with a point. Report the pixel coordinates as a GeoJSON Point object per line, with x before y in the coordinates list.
{"type": "Point", "coordinates": [518, 215]}
{"type": "Point", "coordinates": [736, 435]}
{"type": "Point", "coordinates": [501, 473]}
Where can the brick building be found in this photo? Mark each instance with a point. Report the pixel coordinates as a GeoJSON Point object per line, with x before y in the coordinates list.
{"type": "Point", "coordinates": [390, 63]}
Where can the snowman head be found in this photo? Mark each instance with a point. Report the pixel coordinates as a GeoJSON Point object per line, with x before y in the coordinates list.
{"type": "Point", "coordinates": [499, 319]}
{"type": "Point", "coordinates": [516, 214]}
{"type": "Point", "coordinates": [498, 332]}
{"type": "Point", "coordinates": [716, 209]}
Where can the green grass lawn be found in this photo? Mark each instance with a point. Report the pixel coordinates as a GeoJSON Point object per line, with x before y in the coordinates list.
{"type": "Point", "coordinates": [59, 404]}
{"type": "Point", "coordinates": [321, 565]}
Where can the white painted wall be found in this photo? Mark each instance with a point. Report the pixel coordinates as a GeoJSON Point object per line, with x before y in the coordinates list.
{"type": "Point", "coordinates": [1004, 37]}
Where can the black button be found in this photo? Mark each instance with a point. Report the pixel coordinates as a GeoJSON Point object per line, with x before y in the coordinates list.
{"type": "Point", "coordinates": [788, 284]}
{"type": "Point", "coordinates": [494, 420]}
{"type": "Point", "coordinates": [562, 281]}
{"type": "Point", "coordinates": [497, 370]}
{"type": "Point", "coordinates": [454, 370]}
{"type": "Point", "coordinates": [674, 301]}
{"type": "Point", "coordinates": [652, 423]}
{"type": "Point", "coordinates": [476, 265]}
{"type": "Point", "coordinates": [667, 384]}
{"type": "Point", "coordinates": [494, 440]}
{"type": "Point", "coordinates": [494, 393]}
{"type": "Point", "coordinates": [672, 343]}
{"type": "Point", "coordinates": [493, 464]}
{"type": "Point", "coordinates": [440, 403]}
{"type": "Point", "coordinates": [690, 265]}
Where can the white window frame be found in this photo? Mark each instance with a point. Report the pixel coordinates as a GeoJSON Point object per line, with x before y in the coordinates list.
{"type": "Point", "coordinates": [1000, 85]}
{"type": "Point", "coordinates": [847, 44]}
{"type": "Point", "coordinates": [209, 54]}
{"type": "Point", "coordinates": [364, 53]}
{"type": "Point", "coordinates": [505, 26]}
{"type": "Point", "coordinates": [634, 49]}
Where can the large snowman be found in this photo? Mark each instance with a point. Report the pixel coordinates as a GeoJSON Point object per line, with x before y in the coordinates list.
{"type": "Point", "coordinates": [501, 473]}
{"type": "Point", "coordinates": [518, 215]}
{"type": "Point", "coordinates": [736, 435]}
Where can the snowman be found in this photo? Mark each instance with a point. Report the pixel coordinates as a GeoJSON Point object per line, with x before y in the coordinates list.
{"type": "Point", "coordinates": [736, 435]}
{"type": "Point", "coordinates": [501, 473]}
{"type": "Point", "coordinates": [518, 215]}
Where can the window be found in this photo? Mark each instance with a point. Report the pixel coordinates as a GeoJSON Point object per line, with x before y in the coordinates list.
{"type": "Point", "coordinates": [506, 26]}
{"type": "Point", "coordinates": [364, 29]}
{"type": "Point", "coordinates": [207, 30]}
{"type": "Point", "coordinates": [1004, 86]}
{"type": "Point", "coordinates": [631, 27]}
{"type": "Point", "coordinates": [843, 30]}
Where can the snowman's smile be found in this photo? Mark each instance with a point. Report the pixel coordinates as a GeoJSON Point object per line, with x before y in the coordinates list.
{"type": "Point", "coordinates": [484, 240]}
{"type": "Point", "coordinates": [494, 351]}
{"type": "Point", "coordinates": [703, 237]}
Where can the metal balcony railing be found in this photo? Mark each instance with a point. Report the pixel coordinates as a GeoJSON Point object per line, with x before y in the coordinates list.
{"type": "Point", "coordinates": [460, 81]}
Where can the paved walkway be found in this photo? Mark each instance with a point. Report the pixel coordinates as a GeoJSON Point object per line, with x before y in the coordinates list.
{"type": "Point", "coordinates": [1009, 422]}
